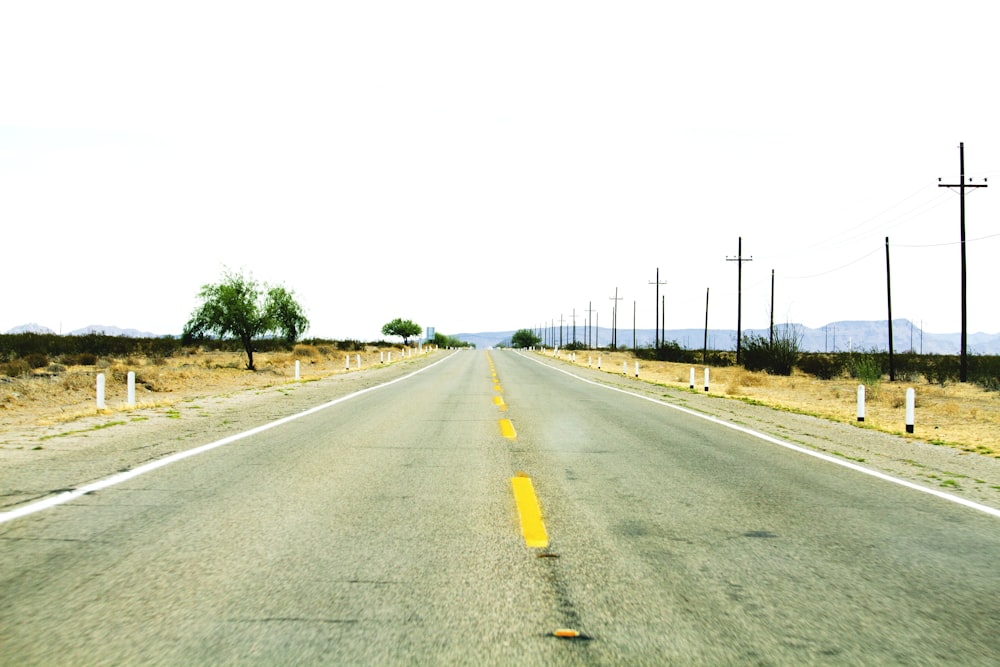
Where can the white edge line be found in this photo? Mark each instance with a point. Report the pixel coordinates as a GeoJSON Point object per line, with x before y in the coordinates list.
{"type": "Point", "coordinates": [782, 443]}
{"type": "Point", "coordinates": [67, 496]}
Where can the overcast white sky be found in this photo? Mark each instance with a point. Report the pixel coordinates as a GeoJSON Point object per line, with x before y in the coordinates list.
{"type": "Point", "coordinates": [488, 166]}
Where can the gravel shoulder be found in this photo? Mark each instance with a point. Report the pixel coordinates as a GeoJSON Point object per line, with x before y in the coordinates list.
{"type": "Point", "coordinates": [38, 461]}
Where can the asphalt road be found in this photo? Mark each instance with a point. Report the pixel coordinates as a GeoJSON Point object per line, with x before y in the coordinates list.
{"type": "Point", "coordinates": [383, 529]}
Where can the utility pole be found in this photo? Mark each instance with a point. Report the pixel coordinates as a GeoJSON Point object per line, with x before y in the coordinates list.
{"type": "Point", "coordinates": [590, 319]}
{"type": "Point", "coordinates": [614, 320]}
{"type": "Point", "coordinates": [560, 331]}
{"type": "Point", "coordinates": [739, 295]}
{"type": "Point", "coordinates": [962, 185]}
{"type": "Point", "coordinates": [574, 327]}
{"type": "Point", "coordinates": [590, 322]}
{"type": "Point", "coordinates": [888, 290]}
{"type": "Point", "coordinates": [771, 340]}
{"type": "Point", "coordinates": [656, 322]}
{"type": "Point", "coordinates": [704, 354]}
{"type": "Point", "coordinates": [633, 327]}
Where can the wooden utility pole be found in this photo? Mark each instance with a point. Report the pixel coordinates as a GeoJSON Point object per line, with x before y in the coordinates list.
{"type": "Point", "coordinates": [739, 295]}
{"type": "Point", "coordinates": [962, 185]}
{"type": "Point", "coordinates": [771, 340]}
{"type": "Point", "coordinates": [590, 319]}
{"type": "Point", "coordinates": [704, 354]}
{"type": "Point", "coordinates": [656, 323]}
{"type": "Point", "coordinates": [614, 320]}
{"type": "Point", "coordinates": [888, 290]}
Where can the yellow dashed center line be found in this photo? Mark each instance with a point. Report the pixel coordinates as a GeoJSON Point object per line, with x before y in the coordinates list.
{"type": "Point", "coordinates": [507, 429]}
{"type": "Point", "coordinates": [531, 514]}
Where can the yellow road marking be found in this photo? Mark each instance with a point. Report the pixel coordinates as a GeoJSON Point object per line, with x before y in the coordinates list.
{"type": "Point", "coordinates": [531, 514]}
{"type": "Point", "coordinates": [498, 388]}
{"type": "Point", "coordinates": [498, 401]}
{"type": "Point", "coordinates": [507, 429]}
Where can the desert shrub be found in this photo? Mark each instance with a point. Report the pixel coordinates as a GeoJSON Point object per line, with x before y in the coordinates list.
{"type": "Point", "coordinates": [325, 350]}
{"type": "Point", "coordinates": [985, 371]}
{"type": "Point", "coordinates": [909, 366]}
{"type": "Point", "coordinates": [55, 369]}
{"type": "Point", "coordinates": [668, 351]}
{"type": "Point", "coordinates": [80, 359]}
{"type": "Point", "coordinates": [306, 352]}
{"type": "Point", "coordinates": [777, 358]}
{"type": "Point", "coordinates": [350, 345]}
{"type": "Point", "coordinates": [865, 367]}
{"type": "Point", "coordinates": [719, 358]}
{"type": "Point", "coordinates": [37, 360]}
{"type": "Point", "coordinates": [118, 373]}
{"type": "Point", "coordinates": [15, 368]}
{"type": "Point", "coordinates": [822, 366]}
{"type": "Point", "coordinates": [76, 381]}
{"type": "Point", "coordinates": [942, 369]}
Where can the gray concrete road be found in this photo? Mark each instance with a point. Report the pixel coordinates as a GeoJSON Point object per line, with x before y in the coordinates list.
{"type": "Point", "coordinates": [384, 530]}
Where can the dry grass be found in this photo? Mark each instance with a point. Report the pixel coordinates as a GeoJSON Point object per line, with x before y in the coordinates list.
{"type": "Point", "coordinates": [964, 416]}
{"type": "Point", "coordinates": [61, 394]}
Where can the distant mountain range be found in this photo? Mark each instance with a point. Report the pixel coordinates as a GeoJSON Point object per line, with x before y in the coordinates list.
{"type": "Point", "coordinates": [93, 329]}
{"type": "Point", "coordinates": [834, 337]}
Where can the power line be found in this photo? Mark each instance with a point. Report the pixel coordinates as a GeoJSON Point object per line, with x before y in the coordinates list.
{"type": "Point", "coordinates": [939, 245]}
{"type": "Point", "coordinates": [839, 268]}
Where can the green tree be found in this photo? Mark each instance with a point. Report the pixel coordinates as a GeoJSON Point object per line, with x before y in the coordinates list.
{"type": "Point", "coordinates": [524, 338]}
{"type": "Point", "coordinates": [286, 313]}
{"type": "Point", "coordinates": [241, 307]}
{"type": "Point", "coordinates": [405, 329]}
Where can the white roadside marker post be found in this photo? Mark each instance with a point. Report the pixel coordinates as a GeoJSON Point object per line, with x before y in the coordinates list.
{"type": "Point", "coordinates": [637, 369]}
{"type": "Point", "coordinates": [706, 379]}
{"type": "Point", "coordinates": [297, 369]}
{"type": "Point", "coordinates": [692, 378]}
{"type": "Point", "coordinates": [911, 400]}
{"type": "Point", "coordinates": [359, 362]}
{"type": "Point", "coordinates": [131, 388]}
{"type": "Point", "coordinates": [861, 402]}
{"type": "Point", "coordinates": [100, 391]}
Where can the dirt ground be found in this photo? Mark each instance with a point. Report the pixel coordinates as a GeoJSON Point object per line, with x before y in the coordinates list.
{"type": "Point", "coordinates": [57, 396]}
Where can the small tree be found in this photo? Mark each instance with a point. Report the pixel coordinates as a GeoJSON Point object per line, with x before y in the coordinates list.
{"type": "Point", "coordinates": [286, 313]}
{"type": "Point", "coordinates": [405, 329]}
{"type": "Point", "coordinates": [524, 338]}
{"type": "Point", "coordinates": [239, 306]}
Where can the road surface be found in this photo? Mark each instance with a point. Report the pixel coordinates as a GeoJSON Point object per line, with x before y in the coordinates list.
{"type": "Point", "coordinates": [387, 528]}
